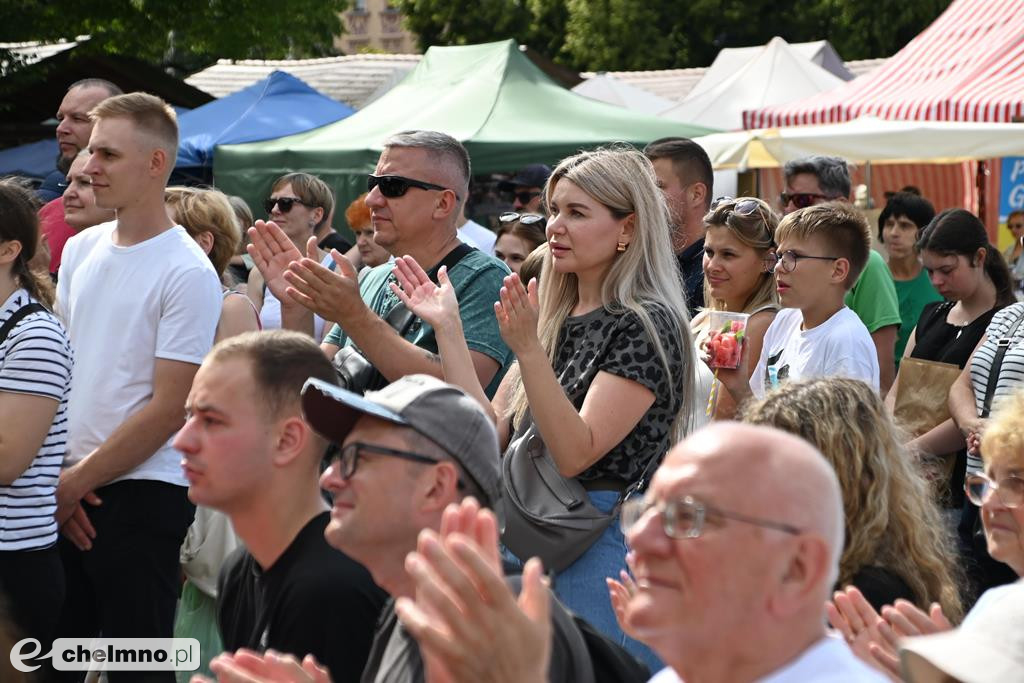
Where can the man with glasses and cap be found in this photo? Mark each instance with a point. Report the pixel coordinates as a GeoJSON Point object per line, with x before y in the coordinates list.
{"type": "Point", "coordinates": [819, 179]}
{"type": "Point", "coordinates": [407, 453]}
{"type": "Point", "coordinates": [415, 196]}
{"type": "Point", "coordinates": [247, 452]}
{"type": "Point", "coordinates": [730, 579]}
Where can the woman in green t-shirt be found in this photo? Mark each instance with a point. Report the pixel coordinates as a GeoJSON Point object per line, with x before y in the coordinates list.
{"type": "Point", "coordinates": [899, 227]}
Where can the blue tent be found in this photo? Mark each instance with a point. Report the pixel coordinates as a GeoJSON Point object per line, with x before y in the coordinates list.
{"type": "Point", "coordinates": [35, 160]}
{"type": "Point", "coordinates": [278, 105]}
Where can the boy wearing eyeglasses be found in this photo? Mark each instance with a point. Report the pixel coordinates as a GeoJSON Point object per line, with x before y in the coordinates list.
{"type": "Point", "coordinates": [822, 250]}
{"type": "Point", "coordinates": [872, 295]}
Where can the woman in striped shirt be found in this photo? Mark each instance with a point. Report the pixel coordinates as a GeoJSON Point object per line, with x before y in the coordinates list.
{"type": "Point", "coordinates": [35, 376]}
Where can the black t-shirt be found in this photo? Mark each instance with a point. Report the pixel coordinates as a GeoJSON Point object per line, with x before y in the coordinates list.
{"type": "Point", "coordinates": [395, 657]}
{"type": "Point", "coordinates": [691, 267]}
{"type": "Point", "coordinates": [937, 340]}
{"type": "Point", "coordinates": [313, 600]}
{"type": "Point", "coordinates": [334, 241]}
{"type": "Point", "coordinates": [881, 587]}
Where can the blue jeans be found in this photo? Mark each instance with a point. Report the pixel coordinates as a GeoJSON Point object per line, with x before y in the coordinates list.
{"type": "Point", "coordinates": [581, 586]}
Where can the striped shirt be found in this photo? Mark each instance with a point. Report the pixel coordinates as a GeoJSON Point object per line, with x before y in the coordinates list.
{"type": "Point", "coordinates": [1011, 372]}
{"type": "Point", "coordinates": [35, 359]}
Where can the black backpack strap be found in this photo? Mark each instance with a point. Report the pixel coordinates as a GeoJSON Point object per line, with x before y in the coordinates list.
{"type": "Point", "coordinates": [997, 364]}
{"type": "Point", "coordinates": [401, 318]}
{"type": "Point", "coordinates": [17, 316]}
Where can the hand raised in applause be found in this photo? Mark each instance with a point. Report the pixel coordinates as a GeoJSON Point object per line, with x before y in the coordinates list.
{"type": "Point", "coordinates": [246, 666]}
{"type": "Point", "coordinates": [469, 625]}
{"type": "Point", "coordinates": [620, 591]}
{"type": "Point", "coordinates": [271, 252]}
{"type": "Point", "coordinates": [331, 294]}
{"type": "Point", "coordinates": [434, 304]}
{"type": "Point", "coordinates": [517, 313]}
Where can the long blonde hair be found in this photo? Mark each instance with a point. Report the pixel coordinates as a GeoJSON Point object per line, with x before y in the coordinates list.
{"type": "Point", "coordinates": [891, 519]}
{"type": "Point", "coordinates": [644, 276]}
{"type": "Point", "coordinates": [755, 230]}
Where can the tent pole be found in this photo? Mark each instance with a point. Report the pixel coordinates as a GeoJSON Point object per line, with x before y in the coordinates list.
{"type": "Point", "coordinates": [980, 184]}
{"type": "Point", "coordinates": [867, 183]}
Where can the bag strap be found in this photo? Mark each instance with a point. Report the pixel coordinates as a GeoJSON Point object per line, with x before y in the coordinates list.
{"type": "Point", "coordinates": [997, 363]}
{"type": "Point", "coordinates": [404, 323]}
{"type": "Point", "coordinates": [17, 316]}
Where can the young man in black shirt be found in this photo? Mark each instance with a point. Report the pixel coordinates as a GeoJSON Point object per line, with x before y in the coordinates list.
{"type": "Point", "coordinates": [249, 453]}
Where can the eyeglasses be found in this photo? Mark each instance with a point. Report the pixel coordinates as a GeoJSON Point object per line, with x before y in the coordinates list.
{"type": "Point", "coordinates": [682, 519]}
{"type": "Point", "coordinates": [801, 200]}
{"type": "Point", "coordinates": [525, 196]}
{"type": "Point", "coordinates": [349, 456]}
{"type": "Point", "coordinates": [787, 260]}
{"type": "Point", "coordinates": [523, 218]}
{"type": "Point", "coordinates": [392, 186]}
{"type": "Point", "coordinates": [284, 204]}
{"type": "Point", "coordinates": [1009, 491]}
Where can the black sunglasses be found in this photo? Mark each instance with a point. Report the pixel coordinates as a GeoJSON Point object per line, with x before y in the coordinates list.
{"type": "Point", "coordinates": [801, 200]}
{"type": "Point", "coordinates": [523, 218]}
{"type": "Point", "coordinates": [392, 186]}
{"type": "Point", "coordinates": [284, 204]}
{"type": "Point", "coordinates": [526, 196]}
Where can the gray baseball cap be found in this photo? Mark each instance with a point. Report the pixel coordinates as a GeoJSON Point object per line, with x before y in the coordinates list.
{"type": "Point", "coordinates": [439, 411]}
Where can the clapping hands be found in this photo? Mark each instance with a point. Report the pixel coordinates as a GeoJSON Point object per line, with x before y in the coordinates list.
{"type": "Point", "coordinates": [517, 312]}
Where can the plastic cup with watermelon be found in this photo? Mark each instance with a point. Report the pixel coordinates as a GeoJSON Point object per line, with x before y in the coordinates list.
{"type": "Point", "coordinates": [726, 338]}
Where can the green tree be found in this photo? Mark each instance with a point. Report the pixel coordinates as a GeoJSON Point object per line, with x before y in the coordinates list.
{"type": "Point", "coordinates": [181, 33]}
{"type": "Point", "coordinates": [605, 35]}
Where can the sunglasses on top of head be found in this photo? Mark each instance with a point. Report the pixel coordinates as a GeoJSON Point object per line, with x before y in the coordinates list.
{"type": "Point", "coordinates": [284, 204]}
{"type": "Point", "coordinates": [523, 218]}
{"type": "Point", "coordinates": [392, 186]}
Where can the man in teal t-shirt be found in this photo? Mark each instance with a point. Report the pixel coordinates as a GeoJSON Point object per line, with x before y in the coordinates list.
{"type": "Point", "coordinates": [818, 179]}
{"type": "Point", "coordinates": [415, 195]}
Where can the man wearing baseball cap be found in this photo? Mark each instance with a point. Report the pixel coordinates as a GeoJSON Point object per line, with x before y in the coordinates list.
{"type": "Point", "coordinates": [527, 187]}
{"type": "Point", "coordinates": [407, 452]}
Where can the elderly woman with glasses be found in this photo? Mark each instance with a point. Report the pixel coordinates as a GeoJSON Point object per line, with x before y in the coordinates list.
{"type": "Point", "coordinates": [999, 491]}
{"type": "Point", "coordinates": [739, 243]}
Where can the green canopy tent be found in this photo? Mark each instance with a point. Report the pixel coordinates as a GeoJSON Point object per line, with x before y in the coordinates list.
{"type": "Point", "coordinates": [491, 97]}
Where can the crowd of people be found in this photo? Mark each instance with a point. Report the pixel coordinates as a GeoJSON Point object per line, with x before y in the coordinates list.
{"type": "Point", "coordinates": [533, 453]}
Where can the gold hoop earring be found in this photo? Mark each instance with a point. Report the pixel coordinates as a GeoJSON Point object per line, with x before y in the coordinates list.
{"type": "Point", "coordinates": [620, 247]}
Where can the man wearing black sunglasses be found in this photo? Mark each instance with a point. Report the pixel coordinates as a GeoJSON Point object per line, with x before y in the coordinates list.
{"type": "Point", "coordinates": [819, 179]}
{"type": "Point", "coordinates": [414, 195]}
{"type": "Point", "coordinates": [527, 187]}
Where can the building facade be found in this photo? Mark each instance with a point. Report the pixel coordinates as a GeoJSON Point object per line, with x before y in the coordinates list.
{"type": "Point", "coordinates": [375, 25]}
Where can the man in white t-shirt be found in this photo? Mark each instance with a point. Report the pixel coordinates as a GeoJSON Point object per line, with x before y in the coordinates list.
{"type": "Point", "coordinates": [141, 303]}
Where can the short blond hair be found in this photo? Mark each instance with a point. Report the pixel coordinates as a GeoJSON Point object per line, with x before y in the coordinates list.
{"type": "Point", "coordinates": [839, 226]}
{"type": "Point", "coordinates": [148, 112]}
{"type": "Point", "coordinates": [1003, 440]}
{"type": "Point", "coordinates": [198, 211]}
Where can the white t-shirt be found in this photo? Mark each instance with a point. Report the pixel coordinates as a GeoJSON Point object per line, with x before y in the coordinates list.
{"type": "Point", "coordinates": [839, 347]}
{"type": "Point", "coordinates": [270, 313]}
{"type": "Point", "coordinates": [125, 307]}
{"type": "Point", "coordinates": [476, 235]}
{"type": "Point", "coordinates": [830, 660]}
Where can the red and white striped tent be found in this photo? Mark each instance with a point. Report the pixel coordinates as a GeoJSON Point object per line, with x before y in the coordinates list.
{"type": "Point", "coordinates": [967, 66]}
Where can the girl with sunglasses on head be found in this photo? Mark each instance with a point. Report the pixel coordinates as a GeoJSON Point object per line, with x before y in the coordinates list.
{"type": "Point", "coordinates": [518, 235]}
{"type": "Point", "coordinates": [301, 205]}
{"type": "Point", "coordinates": [739, 242]}
{"type": "Point", "coordinates": [604, 354]}
{"type": "Point", "coordinates": [35, 379]}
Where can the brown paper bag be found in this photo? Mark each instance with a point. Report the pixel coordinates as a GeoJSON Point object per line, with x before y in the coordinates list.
{"type": "Point", "coordinates": [922, 402]}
